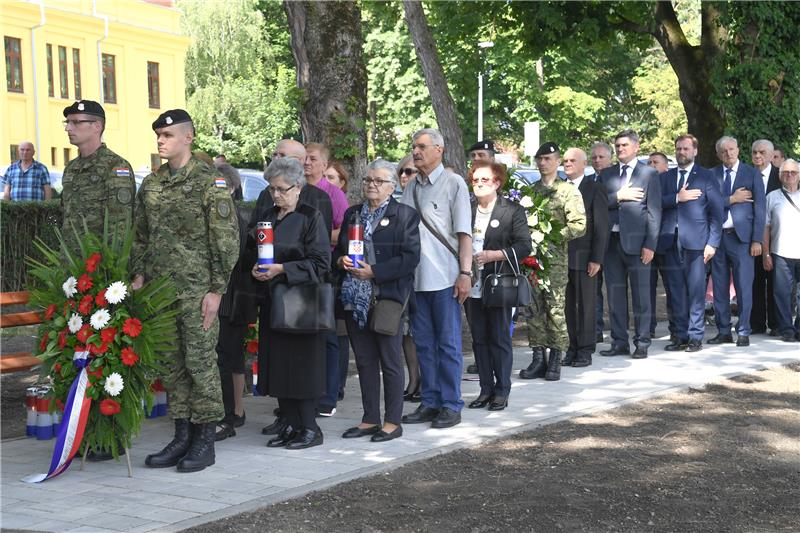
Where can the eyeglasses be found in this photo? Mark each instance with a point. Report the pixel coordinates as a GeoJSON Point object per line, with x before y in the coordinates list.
{"type": "Point", "coordinates": [408, 171]}
{"type": "Point", "coordinates": [377, 183]}
{"type": "Point", "coordinates": [790, 172]}
{"type": "Point", "coordinates": [482, 180]}
{"type": "Point", "coordinates": [73, 122]}
{"type": "Point", "coordinates": [279, 190]}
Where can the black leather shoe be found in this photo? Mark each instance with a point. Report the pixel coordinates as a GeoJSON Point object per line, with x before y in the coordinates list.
{"type": "Point", "coordinates": [788, 337]}
{"type": "Point", "coordinates": [382, 436]}
{"type": "Point", "coordinates": [412, 395]}
{"type": "Point", "coordinates": [421, 415]}
{"type": "Point", "coordinates": [569, 358]}
{"type": "Point", "coordinates": [498, 403]}
{"type": "Point", "coordinates": [176, 449]}
{"type": "Point", "coordinates": [285, 437]}
{"type": "Point", "coordinates": [472, 369]}
{"type": "Point", "coordinates": [582, 360]}
{"type": "Point", "coordinates": [356, 432]}
{"type": "Point", "coordinates": [480, 402]}
{"type": "Point", "coordinates": [639, 353]}
{"type": "Point", "coordinates": [238, 421]}
{"type": "Point", "coordinates": [694, 346]}
{"type": "Point", "coordinates": [774, 332]}
{"type": "Point", "coordinates": [742, 340]}
{"type": "Point", "coordinates": [201, 452]}
{"type": "Point", "coordinates": [224, 430]}
{"type": "Point", "coordinates": [615, 351]}
{"type": "Point", "coordinates": [553, 366]}
{"type": "Point", "coordinates": [447, 418]}
{"type": "Point", "coordinates": [677, 346]}
{"type": "Point", "coordinates": [538, 366]}
{"type": "Point", "coordinates": [307, 438]}
{"type": "Point", "coordinates": [276, 427]}
{"type": "Point", "coordinates": [721, 339]}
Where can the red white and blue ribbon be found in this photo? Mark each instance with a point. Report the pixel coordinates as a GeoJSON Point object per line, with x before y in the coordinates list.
{"type": "Point", "coordinates": [73, 424]}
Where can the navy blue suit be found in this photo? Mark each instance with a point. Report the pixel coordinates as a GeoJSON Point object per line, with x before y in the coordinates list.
{"type": "Point", "coordinates": [686, 229]}
{"type": "Point", "coordinates": [639, 224]}
{"type": "Point", "coordinates": [734, 251]}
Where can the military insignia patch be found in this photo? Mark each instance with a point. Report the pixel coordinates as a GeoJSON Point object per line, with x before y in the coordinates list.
{"type": "Point", "coordinates": [81, 107]}
{"type": "Point", "coordinates": [124, 196]}
{"type": "Point", "coordinates": [224, 208]}
{"type": "Point", "coordinates": [187, 188]}
{"type": "Point", "coordinates": [121, 171]}
{"type": "Point", "coordinates": [220, 182]}
{"type": "Point", "coordinates": [94, 178]}
{"type": "Point", "coordinates": [168, 120]}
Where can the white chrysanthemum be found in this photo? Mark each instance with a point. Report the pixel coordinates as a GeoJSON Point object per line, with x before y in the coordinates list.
{"type": "Point", "coordinates": [114, 384]}
{"type": "Point", "coordinates": [533, 220]}
{"type": "Point", "coordinates": [526, 202]}
{"type": "Point", "coordinates": [70, 287]}
{"type": "Point", "coordinates": [74, 323]}
{"type": "Point", "coordinates": [116, 292]}
{"type": "Point", "coordinates": [536, 236]}
{"type": "Point", "coordinates": [100, 319]}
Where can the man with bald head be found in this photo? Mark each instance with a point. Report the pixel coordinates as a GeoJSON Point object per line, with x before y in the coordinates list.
{"type": "Point", "coordinates": [585, 261]}
{"type": "Point", "coordinates": [27, 179]}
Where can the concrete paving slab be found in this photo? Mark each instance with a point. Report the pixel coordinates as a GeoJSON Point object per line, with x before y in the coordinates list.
{"type": "Point", "coordinates": [247, 474]}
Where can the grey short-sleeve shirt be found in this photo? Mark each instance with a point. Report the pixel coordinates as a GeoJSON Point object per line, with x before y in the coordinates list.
{"type": "Point", "coordinates": [444, 203]}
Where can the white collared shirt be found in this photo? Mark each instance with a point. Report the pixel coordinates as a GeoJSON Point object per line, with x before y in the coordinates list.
{"type": "Point", "coordinates": [734, 170]}
{"type": "Point", "coordinates": [576, 182]}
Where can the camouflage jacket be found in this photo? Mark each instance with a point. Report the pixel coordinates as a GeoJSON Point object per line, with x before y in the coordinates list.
{"type": "Point", "coordinates": [565, 206]}
{"type": "Point", "coordinates": [103, 181]}
{"type": "Point", "coordinates": [185, 228]}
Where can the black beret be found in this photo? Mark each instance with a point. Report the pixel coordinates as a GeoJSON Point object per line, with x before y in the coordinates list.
{"type": "Point", "coordinates": [170, 118]}
{"type": "Point", "coordinates": [482, 145]}
{"type": "Point", "coordinates": [86, 107]}
{"type": "Point", "coordinates": [547, 148]}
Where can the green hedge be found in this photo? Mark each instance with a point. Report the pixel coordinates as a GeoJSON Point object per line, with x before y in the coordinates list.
{"type": "Point", "coordinates": [22, 222]}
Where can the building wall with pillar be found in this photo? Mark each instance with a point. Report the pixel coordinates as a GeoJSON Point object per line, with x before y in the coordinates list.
{"type": "Point", "coordinates": [126, 54]}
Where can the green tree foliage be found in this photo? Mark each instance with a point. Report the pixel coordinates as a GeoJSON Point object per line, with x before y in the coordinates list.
{"type": "Point", "coordinates": [240, 82]}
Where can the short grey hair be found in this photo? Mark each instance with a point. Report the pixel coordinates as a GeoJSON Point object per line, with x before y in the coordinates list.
{"type": "Point", "coordinates": [604, 145]}
{"type": "Point", "coordinates": [789, 161]}
{"type": "Point", "coordinates": [382, 164]}
{"type": "Point", "coordinates": [434, 134]}
{"type": "Point", "coordinates": [763, 142]}
{"type": "Point", "coordinates": [287, 168]}
{"type": "Point", "coordinates": [722, 140]}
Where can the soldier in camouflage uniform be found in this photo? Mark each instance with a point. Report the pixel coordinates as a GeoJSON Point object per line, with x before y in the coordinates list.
{"type": "Point", "coordinates": [547, 326]}
{"type": "Point", "coordinates": [98, 180]}
{"type": "Point", "coordinates": [186, 229]}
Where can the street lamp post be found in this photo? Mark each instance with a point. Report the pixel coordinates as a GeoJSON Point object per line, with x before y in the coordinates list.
{"type": "Point", "coordinates": [482, 45]}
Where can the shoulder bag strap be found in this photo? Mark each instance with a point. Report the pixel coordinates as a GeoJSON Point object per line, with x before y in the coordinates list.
{"type": "Point", "coordinates": [430, 228]}
{"type": "Point", "coordinates": [789, 198]}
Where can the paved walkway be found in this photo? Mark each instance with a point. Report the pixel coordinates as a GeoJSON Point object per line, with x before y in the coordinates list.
{"type": "Point", "coordinates": [247, 474]}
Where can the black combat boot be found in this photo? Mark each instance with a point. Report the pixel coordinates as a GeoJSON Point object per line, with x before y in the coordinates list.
{"type": "Point", "coordinates": [176, 449]}
{"type": "Point", "coordinates": [537, 367]}
{"type": "Point", "coordinates": [553, 366]}
{"type": "Point", "coordinates": [201, 452]}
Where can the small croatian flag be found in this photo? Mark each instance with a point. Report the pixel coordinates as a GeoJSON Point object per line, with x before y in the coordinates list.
{"type": "Point", "coordinates": [122, 171]}
{"type": "Point", "coordinates": [220, 182]}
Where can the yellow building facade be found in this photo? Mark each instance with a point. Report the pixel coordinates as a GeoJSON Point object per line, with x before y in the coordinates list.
{"type": "Point", "coordinates": [126, 54]}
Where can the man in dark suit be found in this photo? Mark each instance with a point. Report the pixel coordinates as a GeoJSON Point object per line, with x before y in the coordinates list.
{"type": "Point", "coordinates": [601, 159]}
{"type": "Point", "coordinates": [764, 313]}
{"type": "Point", "coordinates": [742, 233]}
{"type": "Point", "coordinates": [691, 230]}
{"type": "Point", "coordinates": [659, 161]}
{"type": "Point", "coordinates": [634, 219]}
{"type": "Point", "coordinates": [585, 261]}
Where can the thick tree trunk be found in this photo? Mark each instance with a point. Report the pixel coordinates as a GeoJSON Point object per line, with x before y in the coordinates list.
{"type": "Point", "coordinates": [327, 46]}
{"type": "Point", "coordinates": [441, 100]}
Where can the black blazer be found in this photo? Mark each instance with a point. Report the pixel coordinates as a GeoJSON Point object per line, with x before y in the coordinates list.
{"type": "Point", "coordinates": [240, 301]}
{"type": "Point", "coordinates": [591, 247]}
{"type": "Point", "coordinates": [511, 231]}
{"type": "Point", "coordinates": [639, 222]}
{"type": "Point", "coordinates": [774, 181]}
{"type": "Point", "coordinates": [397, 249]}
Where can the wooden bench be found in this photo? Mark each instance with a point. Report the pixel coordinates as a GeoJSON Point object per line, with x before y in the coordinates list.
{"type": "Point", "coordinates": [16, 362]}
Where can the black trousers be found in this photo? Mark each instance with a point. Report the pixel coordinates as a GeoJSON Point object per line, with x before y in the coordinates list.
{"type": "Point", "coordinates": [764, 314]}
{"type": "Point", "coordinates": [375, 353]}
{"type": "Point", "coordinates": [301, 414]}
{"type": "Point", "coordinates": [580, 310]}
{"type": "Point", "coordinates": [230, 360]}
{"type": "Point", "coordinates": [491, 344]}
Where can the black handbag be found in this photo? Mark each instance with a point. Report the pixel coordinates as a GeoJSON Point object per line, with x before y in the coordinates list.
{"type": "Point", "coordinates": [302, 309]}
{"type": "Point", "coordinates": [506, 290]}
{"type": "Point", "coordinates": [386, 317]}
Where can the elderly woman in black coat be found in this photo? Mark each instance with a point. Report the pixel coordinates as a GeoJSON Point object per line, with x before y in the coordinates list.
{"type": "Point", "coordinates": [383, 280]}
{"type": "Point", "coordinates": [291, 366]}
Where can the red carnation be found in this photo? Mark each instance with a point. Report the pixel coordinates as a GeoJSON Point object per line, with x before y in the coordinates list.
{"type": "Point", "coordinates": [98, 349]}
{"type": "Point", "coordinates": [85, 306]}
{"type": "Point", "coordinates": [84, 333]}
{"type": "Point", "coordinates": [531, 262]}
{"type": "Point", "coordinates": [100, 299]}
{"type": "Point", "coordinates": [108, 334]}
{"type": "Point", "coordinates": [132, 327]}
{"type": "Point", "coordinates": [84, 283]}
{"type": "Point", "coordinates": [45, 339]}
{"type": "Point", "coordinates": [252, 347]}
{"type": "Point", "coordinates": [57, 367]}
{"type": "Point", "coordinates": [62, 339]}
{"type": "Point", "coordinates": [109, 407]}
{"type": "Point", "coordinates": [50, 311]}
{"type": "Point", "coordinates": [128, 356]}
{"type": "Point", "coordinates": [92, 262]}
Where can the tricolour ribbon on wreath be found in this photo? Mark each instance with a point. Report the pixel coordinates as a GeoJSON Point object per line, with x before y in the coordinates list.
{"type": "Point", "coordinates": [73, 424]}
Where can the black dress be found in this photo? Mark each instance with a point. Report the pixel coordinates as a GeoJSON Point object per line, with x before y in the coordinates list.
{"type": "Point", "coordinates": [293, 366]}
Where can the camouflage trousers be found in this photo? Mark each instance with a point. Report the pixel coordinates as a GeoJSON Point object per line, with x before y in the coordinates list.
{"type": "Point", "coordinates": [547, 322]}
{"type": "Point", "coordinates": [193, 382]}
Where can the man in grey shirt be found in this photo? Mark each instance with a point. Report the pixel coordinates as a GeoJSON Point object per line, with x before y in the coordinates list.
{"type": "Point", "coordinates": [442, 280]}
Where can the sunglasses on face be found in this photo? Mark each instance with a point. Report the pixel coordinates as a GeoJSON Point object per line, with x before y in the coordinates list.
{"type": "Point", "coordinates": [408, 171]}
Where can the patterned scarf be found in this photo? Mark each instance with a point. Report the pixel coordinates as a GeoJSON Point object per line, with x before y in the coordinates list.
{"type": "Point", "coordinates": [358, 292]}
